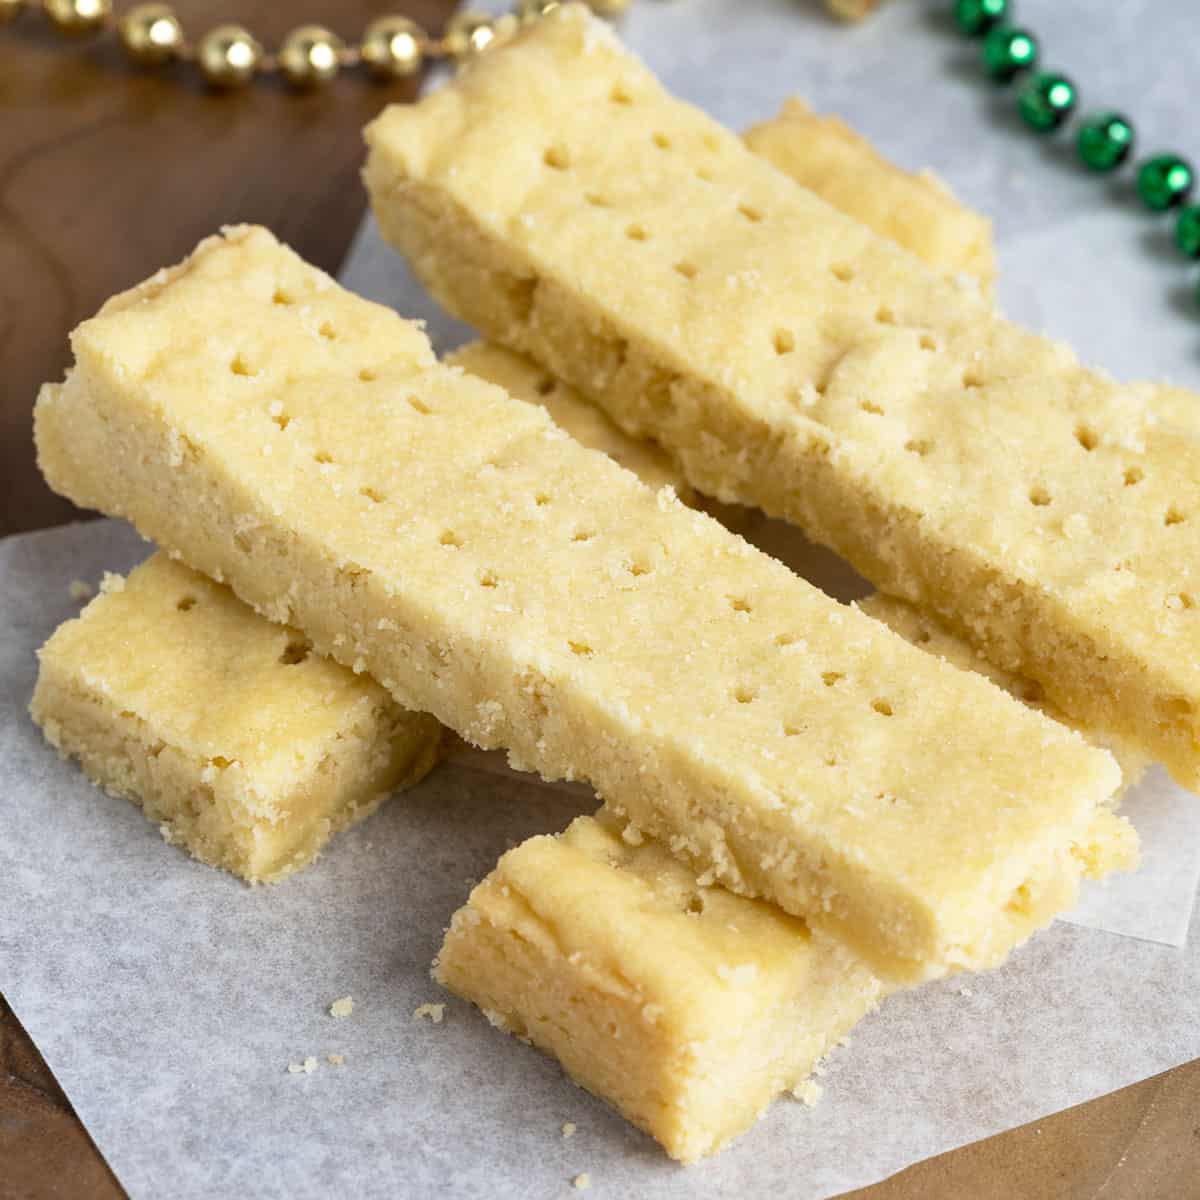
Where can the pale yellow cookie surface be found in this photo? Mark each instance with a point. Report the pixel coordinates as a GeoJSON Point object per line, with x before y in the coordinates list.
{"type": "Point", "coordinates": [247, 748]}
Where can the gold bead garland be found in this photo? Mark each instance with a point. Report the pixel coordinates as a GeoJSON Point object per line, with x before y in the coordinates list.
{"type": "Point", "coordinates": [229, 56]}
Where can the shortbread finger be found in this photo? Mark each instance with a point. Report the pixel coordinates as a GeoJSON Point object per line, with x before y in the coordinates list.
{"type": "Point", "coordinates": [247, 749]}
{"type": "Point", "coordinates": [794, 361]}
{"type": "Point", "coordinates": [524, 379]}
{"type": "Point", "coordinates": [422, 526]}
{"type": "Point", "coordinates": [916, 211]}
{"type": "Point", "coordinates": [688, 1008]}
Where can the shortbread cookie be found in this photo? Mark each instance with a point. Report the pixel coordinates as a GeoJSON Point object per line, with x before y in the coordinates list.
{"type": "Point", "coordinates": [246, 748]}
{"type": "Point", "coordinates": [557, 199]}
{"type": "Point", "coordinates": [917, 211]}
{"type": "Point", "coordinates": [687, 1008]}
{"type": "Point", "coordinates": [421, 525]}
{"type": "Point", "coordinates": [524, 379]}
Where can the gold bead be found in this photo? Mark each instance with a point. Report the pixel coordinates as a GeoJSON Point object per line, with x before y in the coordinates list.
{"type": "Point", "coordinates": [78, 16]}
{"type": "Point", "coordinates": [229, 56]}
{"type": "Point", "coordinates": [608, 8]}
{"type": "Point", "coordinates": [9, 9]}
{"type": "Point", "coordinates": [529, 11]}
{"type": "Point", "coordinates": [151, 33]}
{"type": "Point", "coordinates": [393, 47]}
{"type": "Point", "coordinates": [468, 34]}
{"type": "Point", "coordinates": [311, 55]}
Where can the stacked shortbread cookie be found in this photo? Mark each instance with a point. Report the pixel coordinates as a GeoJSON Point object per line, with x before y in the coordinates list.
{"type": "Point", "coordinates": [804, 806]}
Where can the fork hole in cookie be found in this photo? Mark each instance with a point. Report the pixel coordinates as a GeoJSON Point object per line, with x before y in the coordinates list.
{"type": "Point", "coordinates": [295, 652]}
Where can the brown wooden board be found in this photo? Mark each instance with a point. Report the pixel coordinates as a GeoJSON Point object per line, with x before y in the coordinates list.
{"type": "Point", "coordinates": [108, 173]}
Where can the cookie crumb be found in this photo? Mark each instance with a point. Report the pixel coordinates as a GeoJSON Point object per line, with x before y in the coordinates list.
{"type": "Point", "coordinates": [343, 1007]}
{"type": "Point", "coordinates": [568, 1129]}
{"type": "Point", "coordinates": [335, 1060]}
{"type": "Point", "coordinates": [808, 1092]}
{"type": "Point", "coordinates": [434, 1012]}
{"type": "Point", "coordinates": [582, 1182]}
{"type": "Point", "coordinates": [307, 1067]}
{"type": "Point", "coordinates": [79, 590]}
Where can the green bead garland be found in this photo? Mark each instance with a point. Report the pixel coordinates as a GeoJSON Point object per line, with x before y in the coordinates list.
{"type": "Point", "coordinates": [1105, 141]}
{"type": "Point", "coordinates": [976, 17]}
{"type": "Point", "coordinates": [1187, 231]}
{"type": "Point", "coordinates": [1046, 101]}
{"type": "Point", "coordinates": [1164, 181]}
{"type": "Point", "coordinates": [1008, 51]}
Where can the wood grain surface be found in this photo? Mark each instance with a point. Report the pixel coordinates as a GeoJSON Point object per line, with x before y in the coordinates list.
{"type": "Point", "coordinates": [106, 174]}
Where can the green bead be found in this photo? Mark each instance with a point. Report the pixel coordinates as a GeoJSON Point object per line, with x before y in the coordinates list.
{"type": "Point", "coordinates": [1164, 181]}
{"type": "Point", "coordinates": [1187, 231]}
{"type": "Point", "coordinates": [1046, 101]}
{"type": "Point", "coordinates": [1008, 51]}
{"type": "Point", "coordinates": [976, 17]}
{"type": "Point", "coordinates": [1105, 140]}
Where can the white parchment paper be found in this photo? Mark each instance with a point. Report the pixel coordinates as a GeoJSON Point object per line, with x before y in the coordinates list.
{"type": "Point", "coordinates": [169, 999]}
